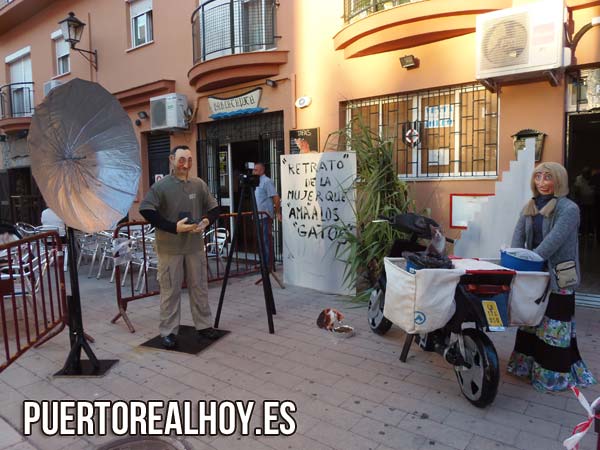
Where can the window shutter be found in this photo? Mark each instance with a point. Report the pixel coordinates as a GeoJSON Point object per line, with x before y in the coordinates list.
{"type": "Point", "coordinates": [138, 7]}
{"type": "Point", "coordinates": [62, 47]}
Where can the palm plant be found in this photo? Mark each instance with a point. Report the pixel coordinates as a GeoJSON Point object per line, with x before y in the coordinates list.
{"type": "Point", "coordinates": [379, 192]}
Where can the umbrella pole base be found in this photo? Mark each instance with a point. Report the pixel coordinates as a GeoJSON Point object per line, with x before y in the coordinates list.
{"type": "Point", "coordinates": [75, 367]}
{"type": "Point", "coordinates": [87, 369]}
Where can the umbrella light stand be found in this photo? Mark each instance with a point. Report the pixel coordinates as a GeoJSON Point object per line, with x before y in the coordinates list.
{"type": "Point", "coordinates": [75, 366]}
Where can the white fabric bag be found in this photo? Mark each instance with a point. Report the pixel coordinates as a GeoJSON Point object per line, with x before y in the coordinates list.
{"type": "Point", "coordinates": [422, 302]}
{"type": "Point", "coordinates": [528, 296]}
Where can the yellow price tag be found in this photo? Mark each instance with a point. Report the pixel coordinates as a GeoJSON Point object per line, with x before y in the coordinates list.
{"type": "Point", "coordinates": [491, 313]}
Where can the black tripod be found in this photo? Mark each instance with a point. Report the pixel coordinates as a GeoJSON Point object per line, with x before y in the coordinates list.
{"type": "Point", "coordinates": [74, 366]}
{"type": "Point", "coordinates": [248, 187]}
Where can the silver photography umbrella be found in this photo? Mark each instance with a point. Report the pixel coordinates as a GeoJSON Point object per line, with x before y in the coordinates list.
{"type": "Point", "coordinates": [85, 160]}
{"type": "Point", "coordinates": [84, 155]}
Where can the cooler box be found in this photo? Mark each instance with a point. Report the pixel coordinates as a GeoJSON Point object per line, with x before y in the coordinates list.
{"type": "Point", "coordinates": [523, 265]}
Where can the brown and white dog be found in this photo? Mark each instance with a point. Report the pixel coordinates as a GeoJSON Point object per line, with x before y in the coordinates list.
{"type": "Point", "coordinates": [328, 318]}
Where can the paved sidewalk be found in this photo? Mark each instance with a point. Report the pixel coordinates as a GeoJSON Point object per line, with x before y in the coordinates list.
{"type": "Point", "coordinates": [350, 394]}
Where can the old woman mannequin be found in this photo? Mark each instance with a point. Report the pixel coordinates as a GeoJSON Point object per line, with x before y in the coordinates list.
{"type": "Point", "coordinates": [547, 354]}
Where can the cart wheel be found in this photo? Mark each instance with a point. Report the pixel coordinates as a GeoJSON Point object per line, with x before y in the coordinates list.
{"type": "Point", "coordinates": [479, 383]}
{"type": "Point", "coordinates": [378, 323]}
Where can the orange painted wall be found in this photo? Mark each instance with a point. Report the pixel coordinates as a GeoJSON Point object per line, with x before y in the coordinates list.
{"type": "Point", "coordinates": [314, 68]}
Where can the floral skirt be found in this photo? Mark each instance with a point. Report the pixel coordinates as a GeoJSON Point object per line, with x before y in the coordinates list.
{"type": "Point", "coordinates": [547, 354]}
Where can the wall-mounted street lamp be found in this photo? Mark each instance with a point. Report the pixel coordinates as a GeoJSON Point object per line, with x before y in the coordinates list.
{"type": "Point", "coordinates": [72, 29]}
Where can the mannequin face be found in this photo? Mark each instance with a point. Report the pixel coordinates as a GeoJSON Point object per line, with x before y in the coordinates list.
{"type": "Point", "coordinates": [544, 183]}
{"type": "Point", "coordinates": [181, 162]}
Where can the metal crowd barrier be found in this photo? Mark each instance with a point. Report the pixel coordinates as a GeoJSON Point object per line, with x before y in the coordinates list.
{"type": "Point", "coordinates": [32, 285]}
{"type": "Point", "coordinates": [136, 262]}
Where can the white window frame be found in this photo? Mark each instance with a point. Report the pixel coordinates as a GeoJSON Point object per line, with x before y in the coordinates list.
{"type": "Point", "coordinates": [134, 14]}
{"type": "Point", "coordinates": [58, 38]}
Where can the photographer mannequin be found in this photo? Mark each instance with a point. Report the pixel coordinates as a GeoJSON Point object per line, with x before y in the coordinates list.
{"type": "Point", "coordinates": [181, 207]}
{"type": "Point", "coordinates": [269, 201]}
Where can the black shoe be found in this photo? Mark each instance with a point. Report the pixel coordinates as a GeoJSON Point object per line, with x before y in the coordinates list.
{"type": "Point", "coordinates": [169, 342]}
{"type": "Point", "coordinates": [209, 333]}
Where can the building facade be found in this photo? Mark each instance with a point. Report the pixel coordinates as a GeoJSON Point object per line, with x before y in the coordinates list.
{"type": "Point", "coordinates": [257, 75]}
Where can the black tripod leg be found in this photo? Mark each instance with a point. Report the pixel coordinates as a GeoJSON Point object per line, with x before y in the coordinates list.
{"type": "Point", "coordinates": [266, 280]}
{"type": "Point", "coordinates": [232, 247]}
{"type": "Point", "coordinates": [406, 347]}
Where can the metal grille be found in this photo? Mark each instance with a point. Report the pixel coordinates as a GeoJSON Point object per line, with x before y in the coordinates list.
{"type": "Point", "coordinates": [226, 27]}
{"type": "Point", "coordinates": [16, 100]}
{"type": "Point", "coordinates": [245, 129]}
{"type": "Point", "coordinates": [448, 132]}
{"type": "Point", "coordinates": [357, 9]}
{"type": "Point", "coordinates": [159, 147]}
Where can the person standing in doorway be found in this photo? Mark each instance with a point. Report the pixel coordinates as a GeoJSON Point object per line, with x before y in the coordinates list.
{"type": "Point", "coordinates": [584, 196]}
{"type": "Point", "coordinates": [181, 207]}
{"type": "Point", "coordinates": [267, 200]}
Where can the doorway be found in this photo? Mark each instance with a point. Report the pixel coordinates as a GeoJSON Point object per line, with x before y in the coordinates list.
{"type": "Point", "coordinates": [583, 166]}
{"type": "Point", "coordinates": [226, 146]}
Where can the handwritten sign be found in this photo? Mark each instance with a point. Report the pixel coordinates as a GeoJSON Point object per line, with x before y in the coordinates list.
{"type": "Point", "coordinates": [315, 194]}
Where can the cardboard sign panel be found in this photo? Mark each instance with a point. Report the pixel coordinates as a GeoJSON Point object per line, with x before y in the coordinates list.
{"type": "Point", "coordinates": [316, 194]}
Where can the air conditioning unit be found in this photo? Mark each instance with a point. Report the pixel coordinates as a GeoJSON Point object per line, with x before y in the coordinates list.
{"type": "Point", "coordinates": [521, 40]}
{"type": "Point", "coordinates": [49, 85]}
{"type": "Point", "coordinates": [168, 112]}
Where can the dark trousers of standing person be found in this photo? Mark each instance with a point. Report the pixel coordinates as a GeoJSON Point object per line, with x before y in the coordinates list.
{"type": "Point", "coordinates": [596, 217]}
{"type": "Point", "coordinates": [587, 219]}
{"type": "Point", "coordinates": [265, 227]}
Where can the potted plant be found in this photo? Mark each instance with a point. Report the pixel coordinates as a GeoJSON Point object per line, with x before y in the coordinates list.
{"type": "Point", "coordinates": [379, 192]}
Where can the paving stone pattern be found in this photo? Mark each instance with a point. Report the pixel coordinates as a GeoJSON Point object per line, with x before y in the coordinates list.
{"type": "Point", "coordinates": [350, 393]}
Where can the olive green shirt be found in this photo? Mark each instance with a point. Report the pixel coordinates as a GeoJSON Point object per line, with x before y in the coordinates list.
{"type": "Point", "coordinates": [174, 199]}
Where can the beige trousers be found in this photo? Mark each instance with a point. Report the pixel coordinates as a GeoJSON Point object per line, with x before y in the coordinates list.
{"type": "Point", "coordinates": [170, 277]}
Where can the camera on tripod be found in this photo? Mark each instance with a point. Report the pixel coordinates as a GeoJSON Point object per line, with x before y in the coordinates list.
{"type": "Point", "coordinates": [247, 178]}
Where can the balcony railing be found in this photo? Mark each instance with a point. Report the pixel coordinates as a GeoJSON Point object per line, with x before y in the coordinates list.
{"type": "Point", "coordinates": [16, 100]}
{"type": "Point", "coordinates": [357, 9]}
{"type": "Point", "coordinates": [227, 27]}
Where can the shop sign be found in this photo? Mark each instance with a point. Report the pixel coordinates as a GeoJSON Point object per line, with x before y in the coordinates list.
{"type": "Point", "coordinates": [304, 141]}
{"type": "Point", "coordinates": [241, 105]}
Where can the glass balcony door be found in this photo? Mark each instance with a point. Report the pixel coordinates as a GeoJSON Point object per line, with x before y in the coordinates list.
{"type": "Point", "coordinates": [21, 92]}
{"type": "Point", "coordinates": [226, 27]}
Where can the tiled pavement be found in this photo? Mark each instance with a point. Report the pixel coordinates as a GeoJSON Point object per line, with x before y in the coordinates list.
{"type": "Point", "coordinates": [350, 394]}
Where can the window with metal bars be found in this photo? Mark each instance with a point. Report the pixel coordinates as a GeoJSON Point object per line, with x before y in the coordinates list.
{"type": "Point", "coordinates": [438, 133]}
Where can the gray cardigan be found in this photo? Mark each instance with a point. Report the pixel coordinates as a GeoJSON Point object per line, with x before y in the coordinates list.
{"type": "Point", "coordinates": [560, 241]}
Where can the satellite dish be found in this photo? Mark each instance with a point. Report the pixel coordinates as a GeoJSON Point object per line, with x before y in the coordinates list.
{"type": "Point", "coordinates": [85, 156]}
{"type": "Point", "coordinates": [505, 42]}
